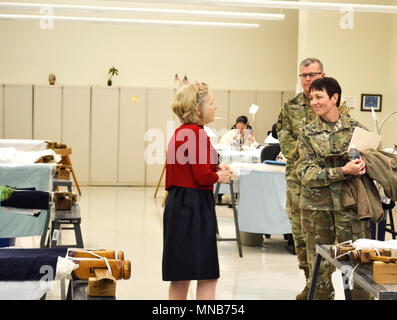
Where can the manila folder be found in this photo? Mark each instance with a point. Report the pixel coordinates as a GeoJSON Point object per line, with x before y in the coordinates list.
{"type": "Point", "coordinates": [363, 139]}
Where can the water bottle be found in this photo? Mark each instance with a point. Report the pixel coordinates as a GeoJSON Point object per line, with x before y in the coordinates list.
{"type": "Point", "coordinates": [236, 142]}
{"type": "Point", "coordinates": [354, 153]}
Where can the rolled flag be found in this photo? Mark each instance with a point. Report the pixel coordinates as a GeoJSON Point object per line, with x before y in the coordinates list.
{"type": "Point", "coordinates": [177, 82]}
{"type": "Point", "coordinates": [185, 80]}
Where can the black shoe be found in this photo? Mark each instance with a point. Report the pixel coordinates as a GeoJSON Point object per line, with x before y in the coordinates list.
{"type": "Point", "coordinates": [268, 236]}
{"type": "Point", "coordinates": [290, 249]}
{"type": "Point", "coordinates": [287, 236]}
{"type": "Point", "coordinates": [219, 202]}
{"type": "Point", "coordinates": [290, 239]}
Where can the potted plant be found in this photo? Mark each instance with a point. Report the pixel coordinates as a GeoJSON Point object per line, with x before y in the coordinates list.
{"type": "Point", "coordinates": [112, 72]}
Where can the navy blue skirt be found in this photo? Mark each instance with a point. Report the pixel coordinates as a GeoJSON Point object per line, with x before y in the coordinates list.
{"type": "Point", "coordinates": [189, 244]}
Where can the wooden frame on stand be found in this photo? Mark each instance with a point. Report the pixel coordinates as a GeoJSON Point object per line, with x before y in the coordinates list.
{"type": "Point", "coordinates": [161, 178]}
{"type": "Point", "coordinates": [65, 152]}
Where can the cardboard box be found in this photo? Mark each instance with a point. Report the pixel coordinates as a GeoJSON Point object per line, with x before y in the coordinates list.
{"type": "Point", "coordinates": [384, 272]}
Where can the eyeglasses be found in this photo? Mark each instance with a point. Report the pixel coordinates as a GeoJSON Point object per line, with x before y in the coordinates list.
{"type": "Point", "coordinates": [310, 75]}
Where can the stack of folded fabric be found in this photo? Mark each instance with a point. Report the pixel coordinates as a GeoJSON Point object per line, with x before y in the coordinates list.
{"type": "Point", "coordinates": [27, 274]}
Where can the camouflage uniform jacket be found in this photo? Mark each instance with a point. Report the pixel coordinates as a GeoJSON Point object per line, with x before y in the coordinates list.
{"type": "Point", "coordinates": [320, 156]}
{"type": "Point", "coordinates": [294, 115]}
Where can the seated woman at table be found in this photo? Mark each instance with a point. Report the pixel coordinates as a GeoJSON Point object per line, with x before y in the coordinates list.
{"type": "Point", "coordinates": [242, 128]}
{"type": "Point", "coordinates": [272, 140]}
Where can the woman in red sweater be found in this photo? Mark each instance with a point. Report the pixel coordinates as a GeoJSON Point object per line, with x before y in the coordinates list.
{"type": "Point", "coordinates": [189, 246]}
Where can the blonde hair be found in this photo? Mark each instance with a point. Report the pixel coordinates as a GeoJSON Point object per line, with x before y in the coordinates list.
{"type": "Point", "coordinates": [189, 102]}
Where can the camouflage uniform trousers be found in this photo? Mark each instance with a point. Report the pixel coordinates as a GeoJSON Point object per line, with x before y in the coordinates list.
{"type": "Point", "coordinates": [294, 215]}
{"type": "Point", "coordinates": [327, 227]}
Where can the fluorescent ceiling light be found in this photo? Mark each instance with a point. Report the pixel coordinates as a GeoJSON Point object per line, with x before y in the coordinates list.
{"type": "Point", "coordinates": [169, 12]}
{"type": "Point", "coordinates": [287, 5]}
{"type": "Point", "coordinates": [131, 21]}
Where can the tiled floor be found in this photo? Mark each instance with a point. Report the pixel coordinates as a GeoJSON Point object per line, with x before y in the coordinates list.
{"type": "Point", "coordinates": [130, 219]}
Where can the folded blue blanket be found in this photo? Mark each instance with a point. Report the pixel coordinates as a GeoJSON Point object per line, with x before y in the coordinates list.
{"type": "Point", "coordinates": [29, 264]}
{"type": "Point", "coordinates": [39, 175]}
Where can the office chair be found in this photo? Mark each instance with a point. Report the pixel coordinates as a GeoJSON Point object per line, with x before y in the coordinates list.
{"type": "Point", "coordinates": [379, 230]}
{"type": "Point", "coordinates": [389, 208]}
{"type": "Point", "coordinates": [270, 152]}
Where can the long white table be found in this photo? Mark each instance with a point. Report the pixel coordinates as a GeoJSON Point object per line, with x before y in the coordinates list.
{"type": "Point", "coordinates": [24, 144]}
{"type": "Point", "coordinates": [262, 200]}
{"type": "Point", "coordinates": [235, 158]}
{"type": "Point", "coordinates": [248, 155]}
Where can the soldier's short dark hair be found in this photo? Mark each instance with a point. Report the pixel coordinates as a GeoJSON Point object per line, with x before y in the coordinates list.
{"type": "Point", "coordinates": [308, 61]}
{"type": "Point", "coordinates": [242, 119]}
{"type": "Point", "coordinates": [330, 85]}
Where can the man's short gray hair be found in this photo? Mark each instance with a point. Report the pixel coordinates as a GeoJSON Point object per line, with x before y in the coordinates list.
{"type": "Point", "coordinates": [309, 61]}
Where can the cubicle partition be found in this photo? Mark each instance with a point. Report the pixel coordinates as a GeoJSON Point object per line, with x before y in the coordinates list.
{"type": "Point", "coordinates": [133, 102]}
{"type": "Point", "coordinates": [1, 111]}
{"type": "Point", "coordinates": [18, 111]}
{"type": "Point", "coordinates": [159, 117]}
{"type": "Point", "coordinates": [106, 126]}
{"type": "Point", "coordinates": [47, 113]}
{"type": "Point", "coordinates": [104, 134]}
{"type": "Point", "coordinates": [76, 111]}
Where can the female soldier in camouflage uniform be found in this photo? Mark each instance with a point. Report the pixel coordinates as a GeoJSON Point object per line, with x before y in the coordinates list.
{"type": "Point", "coordinates": [322, 165]}
{"type": "Point", "coordinates": [294, 115]}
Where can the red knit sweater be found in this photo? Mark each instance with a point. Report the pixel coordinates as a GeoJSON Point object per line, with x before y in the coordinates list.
{"type": "Point", "coordinates": [192, 161]}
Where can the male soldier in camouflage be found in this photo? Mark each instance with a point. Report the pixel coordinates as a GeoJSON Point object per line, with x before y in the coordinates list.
{"type": "Point", "coordinates": [294, 115]}
{"type": "Point", "coordinates": [322, 163]}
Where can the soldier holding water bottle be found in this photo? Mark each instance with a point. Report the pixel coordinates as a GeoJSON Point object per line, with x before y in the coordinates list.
{"type": "Point", "coordinates": [322, 163]}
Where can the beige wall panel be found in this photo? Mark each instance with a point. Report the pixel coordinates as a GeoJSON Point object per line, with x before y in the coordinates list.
{"type": "Point", "coordinates": [132, 130]}
{"type": "Point", "coordinates": [1, 111]}
{"type": "Point", "coordinates": [354, 66]}
{"type": "Point", "coordinates": [158, 113]}
{"type": "Point", "coordinates": [104, 134]}
{"type": "Point", "coordinates": [76, 128]}
{"type": "Point", "coordinates": [18, 111]}
{"type": "Point", "coordinates": [239, 104]}
{"type": "Point", "coordinates": [389, 131]}
{"type": "Point", "coordinates": [269, 103]}
{"type": "Point", "coordinates": [220, 126]}
{"type": "Point", "coordinates": [47, 113]}
{"type": "Point", "coordinates": [287, 95]}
